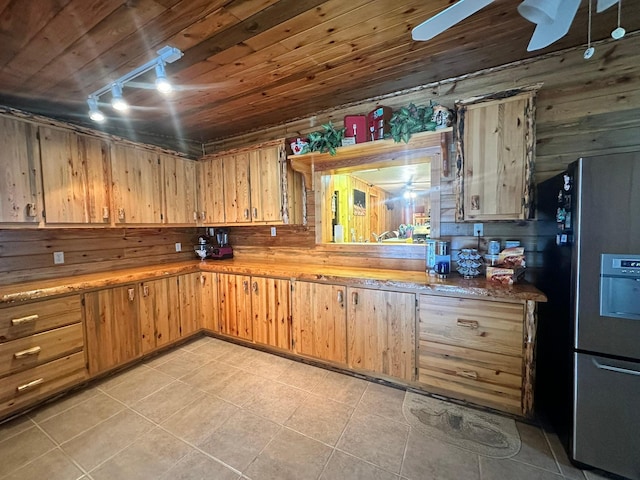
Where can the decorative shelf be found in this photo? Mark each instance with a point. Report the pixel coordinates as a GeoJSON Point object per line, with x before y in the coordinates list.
{"type": "Point", "coordinates": [378, 153]}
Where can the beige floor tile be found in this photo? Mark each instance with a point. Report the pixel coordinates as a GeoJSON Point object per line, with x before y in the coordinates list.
{"type": "Point", "coordinates": [276, 401]}
{"type": "Point", "coordinates": [101, 442]}
{"type": "Point", "coordinates": [341, 388]}
{"type": "Point", "coordinates": [241, 387]}
{"type": "Point", "coordinates": [211, 377]}
{"type": "Point", "coordinates": [567, 469]}
{"type": "Point", "coordinates": [195, 343]}
{"type": "Point", "coordinates": [81, 417]}
{"type": "Point", "coordinates": [149, 457]}
{"type": "Point", "coordinates": [13, 427]}
{"type": "Point", "coordinates": [53, 465]}
{"type": "Point", "coordinates": [240, 439]}
{"type": "Point", "coordinates": [22, 448]}
{"type": "Point", "coordinates": [139, 386]}
{"type": "Point", "coordinates": [63, 403]}
{"type": "Point", "coordinates": [119, 377]}
{"type": "Point", "coordinates": [501, 469]}
{"type": "Point", "coordinates": [180, 366]}
{"type": "Point", "coordinates": [343, 466]}
{"type": "Point", "coordinates": [239, 357]}
{"type": "Point", "coordinates": [160, 405]}
{"type": "Point", "coordinates": [290, 456]}
{"type": "Point", "coordinates": [196, 466]}
{"type": "Point", "coordinates": [321, 419]}
{"type": "Point", "coordinates": [375, 439]}
{"type": "Point", "coordinates": [164, 357]}
{"type": "Point", "coordinates": [269, 366]}
{"type": "Point", "coordinates": [535, 449]}
{"type": "Point", "coordinates": [302, 376]}
{"type": "Point", "coordinates": [215, 349]}
{"type": "Point", "coordinates": [199, 419]}
{"type": "Point", "coordinates": [427, 457]}
{"type": "Point", "coordinates": [384, 401]}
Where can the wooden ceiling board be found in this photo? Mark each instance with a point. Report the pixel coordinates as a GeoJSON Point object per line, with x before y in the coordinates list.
{"type": "Point", "coordinates": [251, 64]}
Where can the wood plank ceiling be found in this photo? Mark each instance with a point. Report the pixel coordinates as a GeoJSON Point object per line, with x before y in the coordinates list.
{"type": "Point", "coordinates": [248, 63]}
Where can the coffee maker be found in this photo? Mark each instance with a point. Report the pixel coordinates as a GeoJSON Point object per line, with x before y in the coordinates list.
{"type": "Point", "coordinates": [214, 244]}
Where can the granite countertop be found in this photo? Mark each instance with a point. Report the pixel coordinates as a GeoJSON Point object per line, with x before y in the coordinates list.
{"type": "Point", "coordinates": [412, 281]}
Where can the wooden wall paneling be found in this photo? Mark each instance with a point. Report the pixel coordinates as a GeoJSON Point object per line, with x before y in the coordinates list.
{"type": "Point", "coordinates": [237, 200]}
{"type": "Point", "coordinates": [271, 312]}
{"type": "Point", "coordinates": [209, 319]}
{"type": "Point", "coordinates": [211, 198]}
{"type": "Point", "coordinates": [137, 186]}
{"type": "Point", "coordinates": [76, 177]}
{"type": "Point", "coordinates": [234, 300]}
{"type": "Point", "coordinates": [179, 179]}
{"type": "Point", "coordinates": [21, 186]}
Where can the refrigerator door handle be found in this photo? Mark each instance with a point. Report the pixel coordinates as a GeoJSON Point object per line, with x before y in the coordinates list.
{"type": "Point", "coordinates": [615, 369]}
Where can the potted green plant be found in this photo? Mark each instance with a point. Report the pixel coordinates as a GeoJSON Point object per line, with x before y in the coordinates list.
{"type": "Point", "coordinates": [326, 140]}
{"type": "Point", "coordinates": [411, 119]}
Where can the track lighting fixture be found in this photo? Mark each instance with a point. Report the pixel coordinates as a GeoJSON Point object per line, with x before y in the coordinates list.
{"type": "Point", "coordinates": [165, 55]}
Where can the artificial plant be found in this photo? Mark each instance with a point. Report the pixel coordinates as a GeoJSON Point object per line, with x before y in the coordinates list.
{"type": "Point", "coordinates": [326, 140]}
{"type": "Point", "coordinates": [411, 119]}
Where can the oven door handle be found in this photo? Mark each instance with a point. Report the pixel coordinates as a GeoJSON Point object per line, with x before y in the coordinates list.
{"type": "Point", "coordinates": [611, 368]}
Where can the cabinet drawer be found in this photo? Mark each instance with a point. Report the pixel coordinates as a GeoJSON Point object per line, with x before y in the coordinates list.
{"type": "Point", "coordinates": [482, 377]}
{"type": "Point", "coordinates": [23, 320]}
{"type": "Point", "coordinates": [24, 388]}
{"type": "Point", "coordinates": [478, 324]}
{"type": "Point", "coordinates": [40, 348]}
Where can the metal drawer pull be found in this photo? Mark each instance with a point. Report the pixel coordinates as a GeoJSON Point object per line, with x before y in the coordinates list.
{"type": "Point", "coordinates": [611, 368]}
{"type": "Point", "coordinates": [467, 323]}
{"type": "Point", "coordinates": [21, 320]}
{"type": "Point", "coordinates": [27, 352]}
{"type": "Point", "coordinates": [468, 374]}
{"type": "Point", "coordinates": [29, 385]}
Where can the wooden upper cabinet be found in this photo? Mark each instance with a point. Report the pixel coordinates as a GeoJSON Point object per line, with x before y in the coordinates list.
{"type": "Point", "coordinates": [496, 141]}
{"type": "Point", "coordinates": [179, 190]}
{"type": "Point", "coordinates": [137, 185]}
{"type": "Point", "coordinates": [210, 191]}
{"type": "Point", "coordinates": [20, 188]}
{"type": "Point", "coordinates": [237, 197]}
{"type": "Point", "coordinates": [75, 173]}
{"type": "Point", "coordinates": [266, 186]}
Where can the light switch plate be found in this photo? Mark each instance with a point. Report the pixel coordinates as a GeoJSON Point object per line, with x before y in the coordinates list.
{"type": "Point", "coordinates": [58, 258]}
{"type": "Point", "coordinates": [273, 231]}
{"type": "Point", "coordinates": [478, 229]}
{"type": "Point", "coordinates": [178, 247]}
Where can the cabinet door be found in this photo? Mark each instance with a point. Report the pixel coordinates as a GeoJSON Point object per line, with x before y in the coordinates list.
{"type": "Point", "coordinates": [266, 189]}
{"type": "Point", "coordinates": [320, 321]}
{"type": "Point", "coordinates": [112, 327]}
{"type": "Point", "coordinates": [159, 313]}
{"type": "Point", "coordinates": [179, 190]}
{"type": "Point", "coordinates": [237, 201]}
{"type": "Point", "coordinates": [270, 308]}
{"type": "Point", "coordinates": [381, 332]}
{"type": "Point", "coordinates": [497, 158]}
{"type": "Point", "coordinates": [75, 172]}
{"type": "Point", "coordinates": [210, 192]}
{"type": "Point", "coordinates": [209, 318]}
{"type": "Point", "coordinates": [20, 189]}
{"type": "Point", "coordinates": [190, 292]}
{"type": "Point", "coordinates": [137, 186]}
{"type": "Point", "coordinates": [234, 297]}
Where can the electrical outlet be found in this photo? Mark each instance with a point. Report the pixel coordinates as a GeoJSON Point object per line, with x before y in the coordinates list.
{"type": "Point", "coordinates": [273, 231]}
{"type": "Point", "coordinates": [58, 258]}
{"type": "Point", "coordinates": [178, 247]}
{"type": "Point", "coordinates": [478, 229]}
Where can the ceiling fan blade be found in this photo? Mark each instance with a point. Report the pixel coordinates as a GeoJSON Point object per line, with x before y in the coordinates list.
{"type": "Point", "coordinates": [447, 18]}
{"type": "Point", "coordinates": [547, 33]}
{"type": "Point", "coordinates": [604, 4]}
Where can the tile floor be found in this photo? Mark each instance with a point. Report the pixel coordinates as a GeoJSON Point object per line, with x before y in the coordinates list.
{"type": "Point", "coordinates": [215, 410]}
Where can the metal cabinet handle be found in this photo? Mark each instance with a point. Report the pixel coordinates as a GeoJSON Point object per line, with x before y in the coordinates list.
{"type": "Point", "coordinates": [246, 213]}
{"type": "Point", "coordinates": [27, 352]}
{"type": "Point", "coordinates": [245, 284]}
{"type": "Point", "coordinates": [255, 287]}
{"type": "Point", "coordinates": [145, 290]}
{"type": "Point", "coordinates": [105, 213]}
{"type": "Point", "coordinates": [132, 294]}
{"type": "Point", "coordinates": [354, 298]}
{"type": "Point", "coordinates": [121, 214]}
{"type": "Point", "coordinates": [255, 212]}
{"type": "Point", "coordinates": [340, 296]}
{"type": "Point", "coordinates": [21, 320]}
{"type": "Point", "coordinates": [468, 374]}
{"type": "Point", "coordinates": [467, 323]}
{"type": "Point", "coordinates": [195, 216]}
{"type": "Point", "coordinates": [611, 368]}
{"type": "Point", "coordinates": [31, 210]}
{"type": "Point", "coordinates": [30, 385]}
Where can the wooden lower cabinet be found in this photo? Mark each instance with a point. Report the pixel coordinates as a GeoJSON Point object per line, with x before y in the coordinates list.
{"type": "Point", "coordinates": [190, 288]}
{"type": "Point", "coordinates": [473, 350]}
{"type": "Point", "coordinates": [271, 311]}
{"type": "Point", "coordinates": [209, 314]}
{"type": "Point", "coordinates": [234, 300]}
{"type": "Point", "coordinates": [159, 313]}
{"type": "Point", "coordinates": [381, 332]}
{"type": "Point", "coordinates": [319, 320]}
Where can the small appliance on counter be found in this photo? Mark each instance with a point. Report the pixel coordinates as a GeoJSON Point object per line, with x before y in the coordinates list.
{"type": "Point", "coordinates": [214, 245]}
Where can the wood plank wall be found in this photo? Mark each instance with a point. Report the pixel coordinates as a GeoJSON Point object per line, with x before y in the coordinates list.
{"type": "Point", "coordinates": [27, 254]}
{"type": "Point", "coordinates": [583, 108]}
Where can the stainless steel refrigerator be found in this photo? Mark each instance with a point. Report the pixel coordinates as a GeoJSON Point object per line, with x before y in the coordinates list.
{"type": "Point", "coordinates": [589, 335]}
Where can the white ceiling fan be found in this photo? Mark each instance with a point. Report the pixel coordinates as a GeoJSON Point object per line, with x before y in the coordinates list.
{"type": "Point", "coordinates": [552, 18]}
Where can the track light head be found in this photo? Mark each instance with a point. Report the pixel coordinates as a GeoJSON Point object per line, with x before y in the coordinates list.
{"type": "Point", "coordinates": [117, 101]}
{"type": "Point", "coordinates": [94, 112]}
{"type": "Point", "coordinates": [162, 82]}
